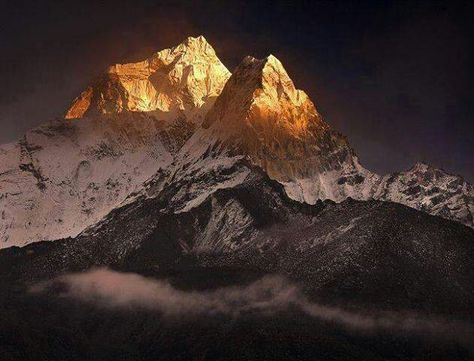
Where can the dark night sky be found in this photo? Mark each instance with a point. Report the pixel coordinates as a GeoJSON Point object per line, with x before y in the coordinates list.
{"type": "Point", "coordinates": [395, 77]}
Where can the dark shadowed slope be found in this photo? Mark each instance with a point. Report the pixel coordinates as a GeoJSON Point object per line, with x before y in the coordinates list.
{"type": "Point", "coordinates": [373, 254]}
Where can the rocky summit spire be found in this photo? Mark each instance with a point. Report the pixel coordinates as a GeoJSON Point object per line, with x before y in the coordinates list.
{"type": "Point", "coordinates": [276, 125]}
{"type": "Point", "coordinates": [262, 96]}
{"type": "Point", "coordinates": [177, 79]}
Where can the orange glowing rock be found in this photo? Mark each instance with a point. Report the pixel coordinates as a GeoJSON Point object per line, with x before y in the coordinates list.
{"type": "Point", "coordinates": [272, 122]}
{"type": "Point", "coordinates": [182, 78]}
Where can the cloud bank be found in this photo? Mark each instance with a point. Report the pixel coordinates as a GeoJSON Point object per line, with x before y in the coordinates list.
{"type": "Point", "coordinates": [266, 296]}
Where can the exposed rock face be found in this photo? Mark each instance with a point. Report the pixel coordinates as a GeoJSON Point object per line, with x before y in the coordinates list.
{"type": "Point", "coordinates": [263, 114]}
{"type": "Point", "coordinates": [182, 78]}
{"type": "Point", "coordinates": [340, 252]}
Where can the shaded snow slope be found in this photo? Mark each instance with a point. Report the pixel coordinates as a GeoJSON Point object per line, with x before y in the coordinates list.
{"type": "Point", "coordinates": [63, 176]}
{"type": "Point", "coordinates": [432, 190]}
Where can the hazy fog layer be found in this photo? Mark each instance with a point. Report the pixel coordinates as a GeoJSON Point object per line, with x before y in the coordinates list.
{"type": "Point", "coordinates": [266, 296]}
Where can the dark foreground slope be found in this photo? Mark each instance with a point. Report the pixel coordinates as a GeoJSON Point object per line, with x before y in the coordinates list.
{"type": "Point", "coordinates": [369, 253]}
{"type": "Point", "coordinates": [361, 280]}
{"type": "Point", "coordinates": [50, 328]}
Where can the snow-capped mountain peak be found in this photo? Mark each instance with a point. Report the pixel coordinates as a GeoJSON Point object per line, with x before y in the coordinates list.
{"type": "Point", "coordinates": [432, 190]}
{"type": "Point", "coordinates": [275, 80]}
{"type": "Point", "coordinates": [260, 115]}
{"type": "Point", "coordinates": [181, 78]}
{"type": "Point", "coordinates": [263, 109]}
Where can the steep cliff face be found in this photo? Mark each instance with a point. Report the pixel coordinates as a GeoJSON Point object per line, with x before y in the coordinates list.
{"type": "Point", "coordinates": [261, 112]}
{"type": "Point", "coordinates": [181, 79]}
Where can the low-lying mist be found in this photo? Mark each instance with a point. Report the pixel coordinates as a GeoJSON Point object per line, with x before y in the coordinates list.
{"type": "Point", "coordinates": [269, 295]}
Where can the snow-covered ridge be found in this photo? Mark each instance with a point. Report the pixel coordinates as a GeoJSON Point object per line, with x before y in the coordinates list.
{"type": "Point", "coordinates": [432, 190]}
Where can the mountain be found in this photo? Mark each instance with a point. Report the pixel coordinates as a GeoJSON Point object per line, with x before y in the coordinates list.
{"type": "Point", "coordinates": [378, 280]}
{"type": "Point", "coordinates": [180, 115]}
{"type": "Point", "coordinates": [180, 212]}
{"type": "Point", "coordinates": [261, 115]}
{"type": "Point", "coordinates": [63, 176]}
